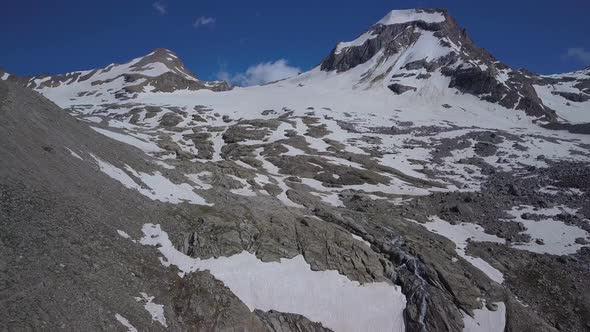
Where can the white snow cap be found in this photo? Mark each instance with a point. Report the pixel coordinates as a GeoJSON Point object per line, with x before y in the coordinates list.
{"type": "Point", "coordinates": [411, 15]}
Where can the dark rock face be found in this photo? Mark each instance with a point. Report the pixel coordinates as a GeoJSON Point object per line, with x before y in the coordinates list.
{"type": "Point", "coordinates": [355, 56]}
{"type": "Point", "coordinates": [473, 81]}
{"type": "Point", "coordinates": [571, 96]}
{"type": "Point", "coordinates": [398, 89]}
{"type": "Point", "coordinates": [278, 322]}
{"type": "Point", "coordinates": [170, 119]}
{"type": "Point", "coordinates": [200, 297]}
{"type": "Point", "coordinates": [578, 128]}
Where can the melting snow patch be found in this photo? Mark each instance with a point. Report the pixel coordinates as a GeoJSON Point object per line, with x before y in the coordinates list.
{"type": "Point", "coordinates": [338, 303]}
{"type": "Point", "coordinates": [557, 237]}
{"type": "Point", "coordinates": [94, 119]}
{"type": "Point", "coordinates": [125, 323]}
{"type": "Point", "coordinates": [551, 190]}
{"type": "Point", "coordinates": [127, 139]}
{"type": "Point", "coordinates": [155, 310]}
{"type": "Point", "coordinates": [166, 191]}
{"type": "Point", "coordinates": [123, 234]}
{"type": "Point", "coordinates": [161, 188]}
{"type": "Point", "coordinates": [292, 151]}
{"type": "Point", "coordinates": [163, 164]}
{"type": "Point", "coordinates": [485, 320]}
{"type": "Point", "coordinates": [74, 154]}
{"type": "Point", "coordinates": [460, 234]}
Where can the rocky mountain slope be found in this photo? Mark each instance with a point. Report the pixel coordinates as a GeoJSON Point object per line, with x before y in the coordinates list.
{"type": "Point", "coordinates": [410, 182]}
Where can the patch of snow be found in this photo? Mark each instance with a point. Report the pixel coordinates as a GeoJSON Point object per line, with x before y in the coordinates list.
{"type": "Point", "coordinates": [125, 323]}
{"type": "Point", "coordinates": [551, 190]}
{"type": "Point", "coordinates": [166, 191]}
{"type": "Point", "coordinates": [558, 238]}
{"type": "Point", "coordinates": [292, 151]}
{"type": "Point", "coordinates": [338, 303]}
{"type": "Point", "coordinates": [94, 119]}
{"type": "Point", "coordinates": [410, 15]}
{"type": "Point", "coordinates": [123, 234]}
{"type": "Point", "coordinates": [74, 154]}
{"type": "Point", "coordinates": [460, 234]}
{"type": "Point", "coordinates": [155, 310]}
{"type": "Point", "coordinates": [128, 139]}
{"type": "Point", "coordinates": [358, 238]}
{"type": "Point", "coordinates": [161, 188]}
{"type": "Point", "coordinates": [570, 111]}
{"type": "Point", "coordinates": [485, 320]}
{"type": "Point", "coordinates": [164, 164]}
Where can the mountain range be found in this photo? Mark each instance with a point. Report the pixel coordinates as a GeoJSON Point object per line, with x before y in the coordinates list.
{"type": "Point", "coordinates": [409, 182]}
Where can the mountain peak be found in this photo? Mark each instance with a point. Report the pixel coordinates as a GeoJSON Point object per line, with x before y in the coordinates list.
{"type": "Point", "coordinates": [412, 51]}
{"type": "Point", "coordinates": [412, 15]}
{"type": "Point", "coordinates": [159, 71]}
{"type": "Point", "coordinates": [160, 61]}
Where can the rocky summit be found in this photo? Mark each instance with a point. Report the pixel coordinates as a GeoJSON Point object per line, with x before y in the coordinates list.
{"type": "Point", "coordinates": [410, 182]}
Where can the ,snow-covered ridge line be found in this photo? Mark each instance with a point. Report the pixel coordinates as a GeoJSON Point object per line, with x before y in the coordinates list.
{"type": "Point", "coordinates": [410, 15]}
{"type": "Point", "coordinates": [337, 302]}
{"type": "Point", "coordinates": [160, 70]}
{"type": "Point", "coordinates": [357, 42]}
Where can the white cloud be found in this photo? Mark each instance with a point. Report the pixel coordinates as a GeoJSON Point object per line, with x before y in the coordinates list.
{"type": "Point", "coordinates": [578, 53]}
{"type": "Point", "coordinates": [160, 7]}
{"type": "Point", "coordinates": [203, 21]}
{"type": "Point", "coordinates": [261, 73]}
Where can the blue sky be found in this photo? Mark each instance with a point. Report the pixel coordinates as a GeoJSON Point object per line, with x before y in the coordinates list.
{"type": "Point", "coordinates": [229, 37]}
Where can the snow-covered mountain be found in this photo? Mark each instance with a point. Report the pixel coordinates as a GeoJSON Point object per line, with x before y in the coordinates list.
{"type": "Point", "coordinates": [425, 52]}
{"type": "Point", "coordinates": [159, 71]}
{"type": "Point", "coordinates": [411, 161]}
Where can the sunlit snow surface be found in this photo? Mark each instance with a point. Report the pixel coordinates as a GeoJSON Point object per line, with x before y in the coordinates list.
{"type": "Point", "coordinates": [74, 154]}
{"type": "Point", "coordinates": [409, 15]}
{"type": "Point", "coordinates": [460, 234]}
{"type": "Point", "coordinates": [291, 286]}
{"type": "Point", "coordinates": [558, 238]}
{"type": "Point", "coordinates": [160, 188]}
{"type": "Point", "coordinates": [155, 310]}
{"type": "Point", "coordinates": [128, 139]}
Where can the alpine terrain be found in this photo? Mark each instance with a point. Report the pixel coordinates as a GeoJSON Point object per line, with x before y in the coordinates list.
{"type": "Point", "coordinates": [409, 182]}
